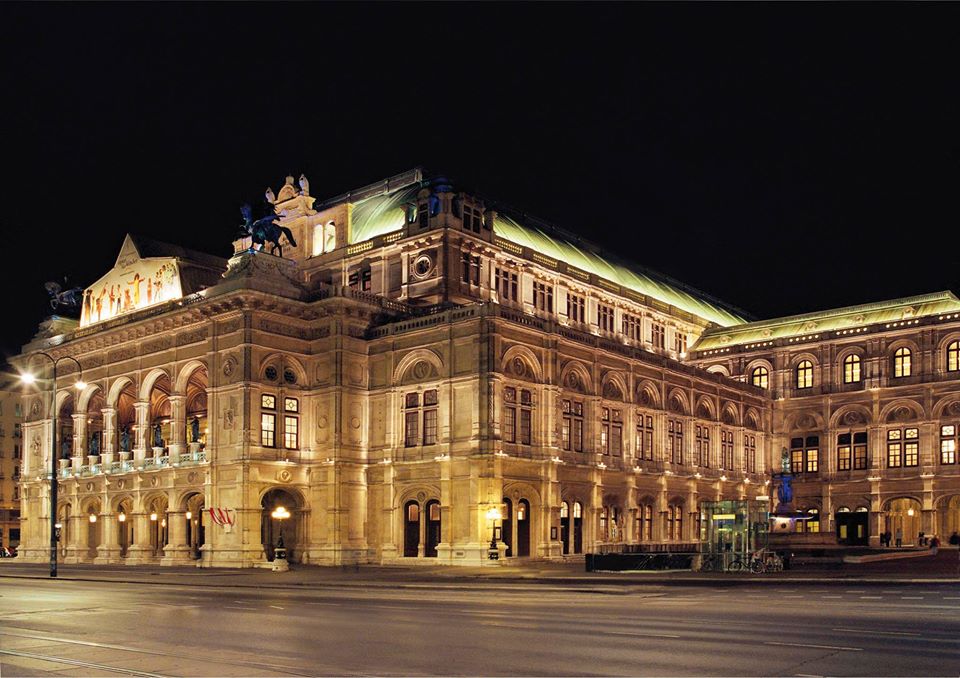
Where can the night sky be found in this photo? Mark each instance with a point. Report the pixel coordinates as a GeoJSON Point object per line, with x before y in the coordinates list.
{"type": "Point", "coordinates": [783, 158]}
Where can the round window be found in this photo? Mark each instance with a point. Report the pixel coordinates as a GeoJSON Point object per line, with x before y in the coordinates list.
{"type": "Point", "coordinates": [422, 266]}
{"type": "Point", "coordinates": [270, 373]}
{"type": "Point", "coordinates": [289, 376]}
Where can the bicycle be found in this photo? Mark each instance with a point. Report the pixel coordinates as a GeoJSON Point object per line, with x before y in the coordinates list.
{"type": "Point", "coordinates": [711, 564]}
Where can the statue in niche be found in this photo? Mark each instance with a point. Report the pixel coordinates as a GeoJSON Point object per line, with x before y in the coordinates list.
{"type": "Point", "coordinates": [125, 439]}
{"type": "Point", "coordinates": [95, 444]}
{"type": "Point", "coordinates": [157, 436]}
{"type": "Point", "coordinates": [264, 229]}
{"type": "Point", "coordinates": [65, 448]}
{"type": "Point", "coordinates": [195, 430]}
{"type": "Point", "coordinates": [785, 460]}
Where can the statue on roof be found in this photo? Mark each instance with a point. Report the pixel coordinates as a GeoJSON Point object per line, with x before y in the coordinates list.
{"type": "Point", "coordinates": [63, 297]}
{"type": "Point", "coordinates": [265, 229]}
{"type": "Point", "coordinates": [304, 185]}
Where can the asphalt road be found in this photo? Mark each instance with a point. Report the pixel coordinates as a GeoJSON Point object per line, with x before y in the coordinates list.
{"type": "Point", "coordinates": [110, 629]}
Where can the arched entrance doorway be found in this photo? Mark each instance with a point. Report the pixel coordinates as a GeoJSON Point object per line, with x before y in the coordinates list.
{"type": "Point", "coordinates": [196, 537]}
{"type": "Point", "coordinates": [577, 527]}
{"type": "Point", "coordinates": [93, 529]}
{"type": "Point", "coordinates": [565, 527]}
{"type": "Point", "coordinates": [523, 528]}
{"type": "Point", "coordinates": [124, 526]}
{"type": "Point", "coordinates": [411, 529]}
{"type": "Point", "coordinates": [902, 520]}
{"type": "Point", "coordinates": [517, 527]}
{"type": "Point", "coordinates": [273, 528]}
{"type": "Point", "coordinates": [195, 420]}
{"type": "Point", "coordinates": [950, 517]}
{"type": "Point", "coordinates": [159, 418]}
{"type": "Point", "coordinates": [433, 528]}
{"type": "Point", "coordinates": [852, 526]}
{"type": "Point", "coordinates": [157, 525]}
{"type": "Point", "coordinates": [507, 531]}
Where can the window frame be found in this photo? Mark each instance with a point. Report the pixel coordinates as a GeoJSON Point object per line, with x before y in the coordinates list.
{"type": "Point", "coordinates": [902, 362]}
{"type": "Point", "coordinates": [803, 374]}
{"type": "Point", "coordinates": [760, 377]}
{"type": "Point", "coordinates": [852, 369]}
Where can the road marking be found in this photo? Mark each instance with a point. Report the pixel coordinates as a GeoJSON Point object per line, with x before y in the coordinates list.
{"type": "Point", "coordinates": [855, 591]}
{"type": "Point", "coordinates": [911, 597]}
{"type": "Point", "coordinates": [808, 675]}
{"type": "Point", "coordinates": [951, 597]}
{"type": "Point", "coordinates": [878, 633]}
{"type": "Point", "coordinates": [897, 591]}
{"type": "Point", "coordinates": [833, 597]}
{"type": "Point", "coordinates": [276, 607]}
{"type": "Point", "coordinates": [237, 607]}
{"type": "Point", "coordinates": [793, 596]}
{"type": "Point", "coordinates": [871, 597]}
{"type": "Point", "coordinates": [816, 647]}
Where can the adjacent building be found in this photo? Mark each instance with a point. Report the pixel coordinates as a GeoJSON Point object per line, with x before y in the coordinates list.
{"type": "Point", "coordinates": [10, 452]}
{"type": "Point", "coordinates": [424, 360]}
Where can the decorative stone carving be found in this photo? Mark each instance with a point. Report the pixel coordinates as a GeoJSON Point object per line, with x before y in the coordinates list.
{"type": "Point", "coordinates": [806, 422]}
{"type": "Point", "coordinates": [676, 405]}
{"type": "Point", "coordinates": [421, 370]}
{"type": "Point", "coordinates": [192, 477]}
{"type": "Point", "coordinates": [322, 421]}
{"type": "Point", "coordinates": [421, 496]}
{"type": "Point", "coordinates": [729, 417]}
{"type": "Point", "coordinates": [611, 391]}
{"type": "Point", "coordinates": [954, 408]}
{"type": "Point", "coordinates": [852, 418]}
{"type": "Point", "coordinates": [229, 365]}
{"type": "Point", "coordinates": [284, 476]}
{"type": "Point", "coordinates": [902, 413]}
{"type": "Point", "coordinates": [573, 382]}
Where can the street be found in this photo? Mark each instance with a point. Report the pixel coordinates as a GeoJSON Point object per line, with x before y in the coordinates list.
{"type": "Point", "coordinates": [67, 627]}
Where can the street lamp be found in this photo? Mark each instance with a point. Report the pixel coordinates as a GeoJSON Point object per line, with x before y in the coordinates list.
{"type": "Point", "coordinates": [280, 513]}
{"type": "Point", "coordinates": [29, 378]}
{"type": "Point", "coordinates": [493, 515]}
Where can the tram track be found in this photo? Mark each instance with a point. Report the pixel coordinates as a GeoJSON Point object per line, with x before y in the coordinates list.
{"type": "Point", "coordinates": [180, 656]}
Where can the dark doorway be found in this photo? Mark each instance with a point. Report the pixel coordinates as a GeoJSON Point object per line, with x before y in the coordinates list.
{"type": "Point", "coordinates": [565, 527]}
{"type": "Point", "coordinates": [411, 529]}
{"type": "Point", "coordinates": [852, 528]}
{"type": "Point", "coordinates": [508, 525]}
{"type": "Point", "coordinates": [523, 528]}
{"type": "Point", "coordinates": [433, 529]}
{"type": "Point", "coordinates": [577, 527]}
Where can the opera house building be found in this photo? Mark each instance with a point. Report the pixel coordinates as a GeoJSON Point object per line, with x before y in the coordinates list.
{"type": "Point", "coordinates": [427, 371]}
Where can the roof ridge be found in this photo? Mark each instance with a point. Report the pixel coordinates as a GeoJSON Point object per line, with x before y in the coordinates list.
{"type": "Point", "coordinates": [842, 310]}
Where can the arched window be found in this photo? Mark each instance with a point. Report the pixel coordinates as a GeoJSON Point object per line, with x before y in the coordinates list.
{"type": "Point", "coordinates": [953, 356]}
{"type": "Point", "coordinates": [901, 362]}
{"type": "Point", "coordinates": [760, 377]}
{"type": "Point", "coordinates": [805, 374]}
{"type": "Point", "coordinates": [675, 522]}
{"type": "Point", "coordinates": [851, 369]}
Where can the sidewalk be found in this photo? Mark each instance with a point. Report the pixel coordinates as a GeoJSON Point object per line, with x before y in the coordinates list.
{"type": "Point", "coordinates": [942, 568]}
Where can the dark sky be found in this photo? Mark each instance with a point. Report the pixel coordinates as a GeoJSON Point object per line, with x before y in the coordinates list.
{"type": "Point", "coordinates": [784, 158]}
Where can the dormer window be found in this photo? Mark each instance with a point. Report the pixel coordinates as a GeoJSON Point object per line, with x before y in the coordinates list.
{"type": "Point", "coordinates": [472, 219]}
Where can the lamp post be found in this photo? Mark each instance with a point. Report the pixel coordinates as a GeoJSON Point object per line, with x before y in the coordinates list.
{"type": "Point", "coordinates": [493, 515]}
{"type": "Point", "coordinates": [29, 378]}
{"type": "Point", "coordinates": [280, 552]}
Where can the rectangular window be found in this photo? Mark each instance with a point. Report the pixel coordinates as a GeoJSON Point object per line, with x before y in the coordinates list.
{"type": "Point", "coordinates": [750, 445]}
{"type": "Point", "coordinates": [510, 415]}
{"type": "Point", "coordinates": [268, 402]}
{"type": "Point", "coordinates": [17, 410]}
{"type": "Point", "coordinates": [411, 436]}
{"type": "Point", "coordinates": [658, 335]}
{"type": "Point", "coordinates": [291, 405]}
{"type": "Point", "coordinates": [726, 450]}
{"type": "Point", "coordinates": [702, 448]}
{"type": "Point", "coordinates": [506, 285]}
{"type": "Point", "coordinates": [948, 444]}
{"type": "Point", "coordinates": [430, 426]}
{"type": "Point", "coordinates": [360, 280]}
{"type": "Point", "coordinates": [844, 456]}
{"type": "Point", "coordinates": [291, 433]}
{"type": "Point", "coordinates": [605, 318]}
{"type": "Point", "coordinates": [518, 417]}
{"type": "Point", "coordinates": [526, 417]}
{"type": "Point", "coordinates": [470, 268]}
{"type": "Point", "coordinates": [16, 431]}
{"type": "Point", "coordinates": [543, 297]}
{"type": "Point", "coordinates": [911, 453]}
{"type": "Point", "coordinates": [576, 308]}
{"type": "Point", "coordinates": [611, 432]}
{"type": "Point", "coordinates": [472, 219]}
{"type": "Point", "coordinates": [644, 441]}
{"type": "Point", "coordinates": [268, 429]}
{"type": "Point", "coordinates": [632, 327]}
{"type": "Point", "coordinates": [813, 461]}
{"type": "Point", "coordinates": [573, 425]}
{"type": "Point", "coordinates": [679, 342]}
{"type": "Point", "coordinates": [860, 450]}
{"type": "Point", "coordinates": [903, 447]}
{"type": "Point", "coordinates": [16, 451]}
{"type": "Point", "coordinates": [675, 441]}
{"type": "Point", "coordinates": [565, 425]}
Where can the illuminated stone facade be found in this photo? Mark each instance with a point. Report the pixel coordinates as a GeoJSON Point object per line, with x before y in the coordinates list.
{"type": "Point", "coordinates": [11, 446]}
{"type": "Point", "coordinates": [417, 360]}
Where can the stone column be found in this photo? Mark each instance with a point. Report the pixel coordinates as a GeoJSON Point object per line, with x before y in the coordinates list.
{"type": "Point", "coordinates": [141, 430]}
{"type": "Point", "coordinates": [108, 446]}
{"type": "Point", "coordinates": [177, 550]}
{"type": "Point", "coordinates": [75, 528]}
{"type": "Point", "coordinates": [109, 549]}
{"type": "Point", "coordinates": [79, 434]}
{"type": "Point", "coordinates": [139, 551]}
{"type": "Point", "coordinates": [178, 427]}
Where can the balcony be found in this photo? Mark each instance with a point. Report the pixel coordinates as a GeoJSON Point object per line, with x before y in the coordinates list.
{"type": "Point", "coordinates": [128, 465]}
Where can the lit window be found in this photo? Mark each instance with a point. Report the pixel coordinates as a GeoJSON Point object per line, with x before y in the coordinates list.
{"type": "Point", "coordinates": [674, 522]}
{"type": "Point", "coordinates": [813, 524]}
{"type": "Point", "coordinates": [805, 455]}
{"type": "Point", "coordinates": [851, 369]}
{"type": "Point", "coordinates": [268, 402]}
{"type": "Point", "coordinates": [948, 444]}
{"type": "Point", "coordinates": [291, 405]}
{"type": "Point", "coordinates": [901, 363]}
{"type": "Point", "coordinates": [268, 429]}
{"type": "Point", "coordinates": [291, 430]}
{"type": "Point", "coordinates": [903, 447]}
{"type": "Point", "coordinates": [760, 377]}
{"type": "Point", "coordinates": [953, 356]}
{"type": "Point", "coordinates": [805, 374]}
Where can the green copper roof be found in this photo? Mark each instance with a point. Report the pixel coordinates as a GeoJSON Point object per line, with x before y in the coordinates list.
{"type": "Point", "coordinates": [834, 320]}
{"type": "Point", "coordinates": [555, 246]}
{"type": "Point", "coordinates": [381, 214]}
